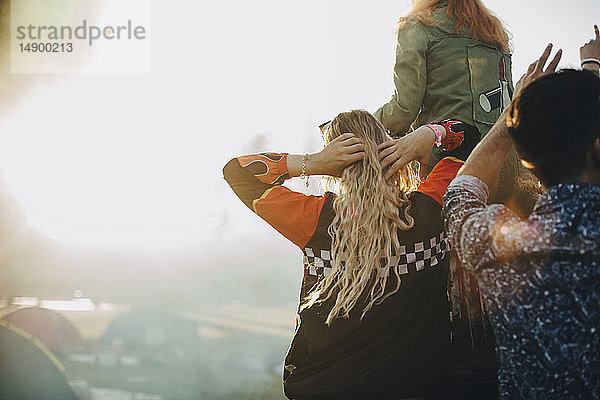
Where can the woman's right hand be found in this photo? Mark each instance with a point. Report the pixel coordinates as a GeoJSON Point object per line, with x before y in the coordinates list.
{"type": "Point", "coordinates": [416, 146]}
{"type": "Point", "coordinates": [341, 152]}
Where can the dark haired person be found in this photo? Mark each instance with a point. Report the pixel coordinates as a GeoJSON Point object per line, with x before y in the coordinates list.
{"type": "Point", "coordinates": [540, 277]}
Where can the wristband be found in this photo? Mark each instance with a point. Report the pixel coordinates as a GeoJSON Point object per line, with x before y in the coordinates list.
{"type": "Point", "coordinates": [438, 134]}
{"type": "Point", "coordinates": [590, 61]}
{"type": "Point", "coordinates": [454, 133]}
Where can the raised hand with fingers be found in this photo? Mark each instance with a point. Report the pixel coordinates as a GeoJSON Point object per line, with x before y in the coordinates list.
{"type": "Point", "coordinates": [590, 53]}
{"type": "Point", "coordinates": [536, 69]}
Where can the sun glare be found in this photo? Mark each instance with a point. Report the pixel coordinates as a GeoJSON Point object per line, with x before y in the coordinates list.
{"type": "Point", "coordinates": [100, 179]}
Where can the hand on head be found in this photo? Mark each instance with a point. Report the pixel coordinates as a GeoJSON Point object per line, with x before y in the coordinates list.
{"type": "Point", "coordinates": [395, 154]}
{"type": "Point", "coordinates": [341, 152]}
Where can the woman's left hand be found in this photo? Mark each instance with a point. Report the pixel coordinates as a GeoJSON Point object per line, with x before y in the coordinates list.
{"type": "Point", "coordinates": [416, 146]}
{"type": "Point", "coordinates": [341, 152]}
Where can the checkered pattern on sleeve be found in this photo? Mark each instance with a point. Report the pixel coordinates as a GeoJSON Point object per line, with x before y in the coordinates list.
{"type": "Point", "coordinates": [411, 258]}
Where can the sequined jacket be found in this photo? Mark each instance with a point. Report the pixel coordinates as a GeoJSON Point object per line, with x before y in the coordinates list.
{"type": "Point", "coordinates": [540, 280]}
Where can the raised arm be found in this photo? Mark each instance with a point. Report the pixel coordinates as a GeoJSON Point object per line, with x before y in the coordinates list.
{"type": "Point", "coordinates": [410, 81]}
{"type": "Point", "coordinates": [488, 157]}
{"type": "Point", "coordinates": [455, 138]}
{"type": "Point", "coordinates": [590, 53]}
{"type": "Point", "coordinates": [476, 231]}
{"type": "Point", "coordinates": [257, 180]}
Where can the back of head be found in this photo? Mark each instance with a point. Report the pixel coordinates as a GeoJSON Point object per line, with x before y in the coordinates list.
{"type": "Point", "coordinates": [554, 121]}
{"type": "Point", "coordinates": [372, 133]}
{"type": "Point", "coordinates": [469, 15]}
{"type": "Point", "coordinates": [367, 218]}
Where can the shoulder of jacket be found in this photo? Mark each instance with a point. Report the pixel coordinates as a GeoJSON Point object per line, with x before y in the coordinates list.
{"type": "Point", "coordinates": [442, 24]}
{"type": "Point", "coordinates": [414, 31]}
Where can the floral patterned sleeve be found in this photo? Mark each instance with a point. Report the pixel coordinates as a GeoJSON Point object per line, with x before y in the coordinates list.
{"type": "Point", "coordinates": [478, 232]}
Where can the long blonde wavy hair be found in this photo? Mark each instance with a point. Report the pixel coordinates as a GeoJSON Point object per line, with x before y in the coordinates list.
{"type": "Point", "coordinates": [364, 230]}
{"type": "Point", "coordinates": [471, 15]}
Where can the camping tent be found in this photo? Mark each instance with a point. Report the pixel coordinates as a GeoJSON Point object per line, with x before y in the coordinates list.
{"type": "Point", "coordinates": [28, 370]}
{"type": "Point", "coordinates": [47, 326]}
{"type": "Point", "coordinates": [151, 328]}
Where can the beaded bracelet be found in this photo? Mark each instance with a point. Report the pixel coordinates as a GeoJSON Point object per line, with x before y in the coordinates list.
{"type": "Point", "coordinates": [303, 169]}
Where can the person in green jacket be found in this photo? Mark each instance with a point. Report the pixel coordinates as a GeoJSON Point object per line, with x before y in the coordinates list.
{"type": "Point", "coordinates": [453, 61]}
{"type": "Point", "coordinates": [447, 66]}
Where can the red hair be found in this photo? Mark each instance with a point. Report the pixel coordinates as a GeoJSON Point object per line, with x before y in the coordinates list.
{"type": "Point", "coordinates": [471, 15]}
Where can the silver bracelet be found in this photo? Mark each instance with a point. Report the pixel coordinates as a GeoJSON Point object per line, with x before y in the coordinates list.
{"type": "Point", "coordinates": [303, 169]}
{"type": "Point", "coordinates": [590, 61]}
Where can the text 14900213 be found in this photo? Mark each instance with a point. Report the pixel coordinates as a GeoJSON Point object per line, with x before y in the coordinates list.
{"type": "Point", "coordinates": [40, 47]}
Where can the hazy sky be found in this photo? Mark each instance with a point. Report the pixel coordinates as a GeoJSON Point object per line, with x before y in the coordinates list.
{"type": "Point", "coordinates": [134, 161]}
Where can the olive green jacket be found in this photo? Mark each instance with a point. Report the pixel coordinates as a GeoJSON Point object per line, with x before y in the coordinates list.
{"type": "Point", "coordinates": [440, 74]}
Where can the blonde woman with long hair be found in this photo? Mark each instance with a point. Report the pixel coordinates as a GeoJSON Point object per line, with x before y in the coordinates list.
{"type": "Point", "coordinates": [373, 313]}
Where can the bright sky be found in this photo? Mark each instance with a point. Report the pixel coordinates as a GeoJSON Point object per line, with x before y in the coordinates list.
{"type": "Point", "coordinates": [134, 161]}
